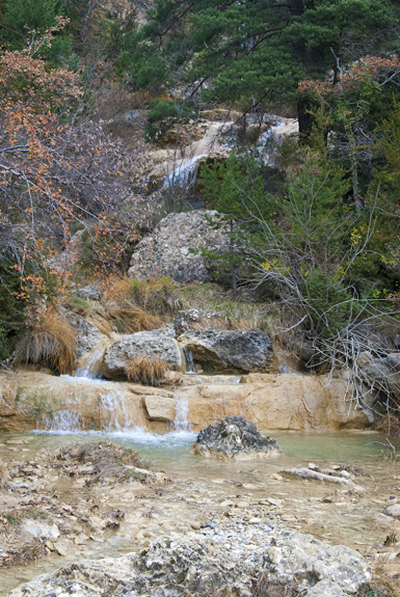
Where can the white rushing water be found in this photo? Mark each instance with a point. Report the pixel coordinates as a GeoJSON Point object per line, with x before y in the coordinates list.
{"type": "Point", "coordinates": [181, 422]}
{"type": "Point", "coordinates": [184, 174]}
{"type": "Point", "coordinates": [114, 418]}
{"type": "Point", "coordinates": [189, 362]}
{"type": "Point", "coordinates": [91, 367]}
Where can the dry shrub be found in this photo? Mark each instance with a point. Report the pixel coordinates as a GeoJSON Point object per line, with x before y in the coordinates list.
{"type": "Point", "coordinates": [51, 342]}
{"type": "Point", "coordinates": [149, 371]}
{"type": "Point", "coordinates": [102, 324]}
{"type": "Point", "coordinates": [134, 306]}
{"type": "Point", "coordinates": [120, 290]}
{"type": "Point", "coordinates": [128, 319]}
{"type": "Point", "coordinates": [159, 296]}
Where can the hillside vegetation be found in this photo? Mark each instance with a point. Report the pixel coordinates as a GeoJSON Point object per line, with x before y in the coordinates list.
{"type": "Point", "coordinates": [320, 230]}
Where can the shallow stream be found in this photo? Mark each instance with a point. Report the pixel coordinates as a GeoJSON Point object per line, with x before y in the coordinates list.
{"type": "Point", "coordinates": [205, 490]}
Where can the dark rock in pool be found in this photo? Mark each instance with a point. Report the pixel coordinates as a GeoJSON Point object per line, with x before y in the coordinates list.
{"type": "Point", "coordinates": [234, 437]}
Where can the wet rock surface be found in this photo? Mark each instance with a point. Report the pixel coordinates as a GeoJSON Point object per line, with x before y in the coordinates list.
{"type": "Point", "coordinates": [234, 437]}
{"type": "Point", "coordinates": [239, 350]}
{"type": "Point", "coordinates": [34, 518]}
{"type": "Point", "coordinates": [32, 400]}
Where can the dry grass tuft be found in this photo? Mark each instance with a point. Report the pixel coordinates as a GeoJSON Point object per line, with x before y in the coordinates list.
{"type": "Point", "coordinates": [158, 296]}
{"type": "Point", "coordinates": [102, 324]}
{"type": "Point", "coordinates": [218, 323]}
{"type": "Point", "coordinates": [148, 371]}
{"type": "Point", "coordinates": [51, 342]}
{"type": "Point", "coordinates": [128, 319]}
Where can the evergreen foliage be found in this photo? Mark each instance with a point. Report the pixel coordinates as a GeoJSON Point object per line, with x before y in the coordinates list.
{"type": "Point", "coordinates": [252, 53]}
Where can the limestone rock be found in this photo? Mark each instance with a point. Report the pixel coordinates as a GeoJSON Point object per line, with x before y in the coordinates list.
{"type": "Point", "coordinates": [33, 400]}
{"type": "Point", "coordinates": [209, 560]}
{"type": "Point", "coordinates": [394, 511]}
{"type": "Point", "coordinates": [42, 531]}
{"type": "Point", "coordinates": [199, 318]}
{"type": "Point", "coordinates": [90, 292]}
{"type": "Point", "coordinates": [87, 334]}
{"type": "Point", "coordinates": [168, 251]}
{"type": "Point", "coordinates": [240, 350]}
{"type": "Point", "coordinates": [234, 437]}
{"type": "Point", "coordinates": [39, 401]}
{"type": "Point", "coordinates": [160, 343]}
{"type": "Point", "coordinates": [160, 408]}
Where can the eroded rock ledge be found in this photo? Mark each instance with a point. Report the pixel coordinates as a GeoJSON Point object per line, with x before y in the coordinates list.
{"type": "Point", "coordinates": [32, 400]}
{"type": "Point", "coordinates": [210, 560]}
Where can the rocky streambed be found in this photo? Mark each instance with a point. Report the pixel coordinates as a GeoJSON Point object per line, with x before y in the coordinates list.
{"type": "Point", "coordinates": [189, 522]}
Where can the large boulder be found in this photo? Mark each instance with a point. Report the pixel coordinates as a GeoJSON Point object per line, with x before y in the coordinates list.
{"type": "Point", "coordinates": [174, 249]}
{"type": "Point", "coordinates": [284, 402]}
{"type": "Point", "coordinates": [222, 350]}
{"type": "Point", "coordinates": [234, 437]}
{"type": "Point", "coordinates": [235, 557]}
{"type": "Point", "coordinates": [160, 343]}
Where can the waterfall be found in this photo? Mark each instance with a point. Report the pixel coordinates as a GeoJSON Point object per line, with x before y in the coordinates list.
{"type": "Point", "coordinates": [181, 422]}
{"type": "Point", "coordinates": [189, 362]}
{"type": "Point", "coordinates": [113, 412]}
{"type": "Point", "coordinates": [267, 144]}
{"type": "Point", "coordinates": [91, 366]}
{"type": "Point", "coordinates": [67, 420]}
{"type": "Point", "coordinates": [184, 174]}
{"type": "Point", "coordinates": [63, 421]}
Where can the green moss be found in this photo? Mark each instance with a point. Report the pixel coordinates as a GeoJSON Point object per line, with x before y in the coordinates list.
{"type": "Point", "coordinates": [39, 400]}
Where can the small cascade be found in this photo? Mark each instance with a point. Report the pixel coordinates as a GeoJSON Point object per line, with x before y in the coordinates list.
{"type": "Point", "coordinates": [181, 422]}
{"type": "Point", "coordinates": [67, 420]}
{"type": "Point", "coordinates": [189, 362]}
{"type": "Point", "coordinates": [90, 367]}
{"type": "Point", "coordinates": [184, 175]}
{"type": "Point", "coordinates": [109, 411]}
{"type": "Point", "coordinates": [268, 143]}
{"type": "Point", "coordinates": [184, 170]}
{"type": "Point", "coordinates": [63, 421]}
{"type": "Point", "coordinates": [113, 412]}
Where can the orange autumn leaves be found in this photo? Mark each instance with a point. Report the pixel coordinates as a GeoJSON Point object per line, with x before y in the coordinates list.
{"type": "Point", "coordinates": [43, 169]}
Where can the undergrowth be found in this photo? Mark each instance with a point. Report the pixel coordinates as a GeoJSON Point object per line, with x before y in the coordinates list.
{"type": "Point", "coordinates": [127, 318]}
{"type": "Point", "coordinates": [243, 312]}
{"type": "Point", "coordinates": [157, 296]}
